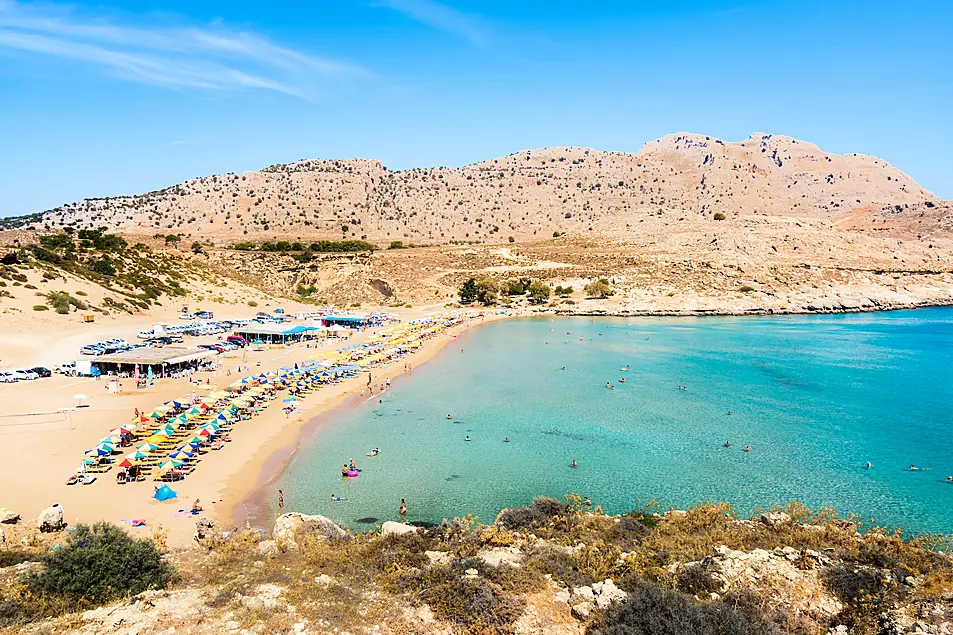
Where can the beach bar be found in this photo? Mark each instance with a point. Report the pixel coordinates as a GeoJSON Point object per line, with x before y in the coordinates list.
{"type": "Point", "coordinates": [279, 333]}
{"type": "Point", "coordinates": [162, 360]}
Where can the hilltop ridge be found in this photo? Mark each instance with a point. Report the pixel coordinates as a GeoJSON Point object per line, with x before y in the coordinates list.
{"type": "Point", "coordinates": [526, 196]}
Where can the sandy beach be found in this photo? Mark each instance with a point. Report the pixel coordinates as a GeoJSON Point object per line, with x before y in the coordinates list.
{"type": "Point", "coordinates": [46, 434]}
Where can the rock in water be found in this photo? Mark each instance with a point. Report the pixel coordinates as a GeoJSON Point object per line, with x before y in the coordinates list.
{"type": "Point", "coordinates": [51, 519]}
{"type": "Point", "coordinates": [390, 527]}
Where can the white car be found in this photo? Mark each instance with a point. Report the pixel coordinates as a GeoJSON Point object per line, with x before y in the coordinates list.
{"type": "Point", "coordinates": [186, 316]}
{"type": "Point", "coordinates": [29, 374]}
{"type": "Point", "coordinates": [19, 375]}
{"type": "Point", "coordinates": [7, 378]}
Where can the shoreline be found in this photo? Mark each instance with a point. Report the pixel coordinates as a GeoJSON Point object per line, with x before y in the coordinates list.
{"type": "Point", "coordinates": [247, 487]}
{"type": "Point", "coordinates": [252, 502]}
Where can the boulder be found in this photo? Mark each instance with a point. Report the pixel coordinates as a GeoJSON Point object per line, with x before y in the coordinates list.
{"type": "Point", "coordinates": [268, 549]}
{"type": "Point", "coordinates": [606, 592]}
{"type": "Point", "coordinates": [390, 527]}
{"type": "Point", "coordinates": [582, 610]}
{"type": "Point", "coordinates": [8, 517]}
{"type": "Point", "coordinates": [3, 537]}
{"type": "Point", "coordinates": [294, 525]}
{"type": "Point", "coordinates": [51, 519]}
{"type": "Point", "coordinates": [774, 518]}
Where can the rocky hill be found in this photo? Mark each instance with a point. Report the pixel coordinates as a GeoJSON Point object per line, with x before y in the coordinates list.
{"type": "Point", "coordinates": [526, 196]}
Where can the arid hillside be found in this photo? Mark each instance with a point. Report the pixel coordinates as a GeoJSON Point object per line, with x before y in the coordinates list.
{"type": "Point", "coordinates": [525, 197]}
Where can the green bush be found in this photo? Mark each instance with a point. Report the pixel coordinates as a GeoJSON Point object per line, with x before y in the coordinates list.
{"type": "Point", "coordinates": [252, 303]}
{"type": "Point", "coordinates": [539, 292]}
{"type": "Point", "coordinates": [747, 289]}
{"type": "Point", "coordinates": [103, 266]}
{"type": "Point", "coordinates": [100, 564]}
{"type": "Point", "coordinates": [40, 307]}
{"type": "Point", "coordinates": [598, 288]}
{"type": "Point", "coordinates": [719, 216]}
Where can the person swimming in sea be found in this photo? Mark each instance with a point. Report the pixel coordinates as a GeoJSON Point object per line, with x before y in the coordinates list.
{"type": "Point", "coordinates": [574, 464]}
{"type": "Point", "coordinates": [949, 479]}
{"type": "Point", "coordinates": [506, 439]}
{"type": "Point", "coordinates": [336, 499]}
{"type": "Point", "coordinates": [449, 417]}
{"type": "Point", "coordinates": [622, 380]}
{"type": "Point", "coordinates": [913, 468]}
{"type": "Point", "coordinates": [869, 465]}
{"type": "Point", "coordinates": [608, 385]}
{"type": "Point", "coordinates": [564, 368]}
{"type": "Point", "coordinates": [747, 448]}
{"type": "Point", "coordinates": [729, 412]}
{"type": "Point", "coordinates": [403, 507]}
{"type": "Point", "coordinates": [727, 444]}
{"type": "Point", "coordinates": [353, 465]}
{"type": "Point", "coordinates": [468, 438]}
{"type": "Point", "coordinates": [344, 470]}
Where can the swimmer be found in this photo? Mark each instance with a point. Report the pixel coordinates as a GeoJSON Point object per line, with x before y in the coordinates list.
{"type": "Point", "coordinates": [869, 465]}
{"type": "Point", "coordinates": [574, 464]}
{"type": "Point", "coordinates": [747, 448]}
{"type": "Point", "coordinates": [448, 417]}
{"type": "Point", "coordinates": [506, 439]}
{"type": "Point", "coordinates": [608, 385]}
{"type": "Point", "coordinates": [913, 468]}
{"type": "Point", "coordinates": [403, 507]}
{"type": "Point", "coordinates": [729, 412]}
{"type": "Point", "coordinates": [353, 465]}
{"type": "Point", "coordinates": [727, 444]}
{"type": "Point", "coordinates": [949, 479]}
{"type": "Point", "coordinates": [622, 380]}
{"type": "Point", "coordinates": [336, 499]}
{"type": "Point", "coordinates": [564, 368]}
{"type": "Point", "coordinates": [344, 470]}
{"type": "Point", "coordinates": [468, 438]}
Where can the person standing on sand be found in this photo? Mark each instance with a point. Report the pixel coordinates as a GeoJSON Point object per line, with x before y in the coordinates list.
{"type": "Point", "coordinates": [281, 501]}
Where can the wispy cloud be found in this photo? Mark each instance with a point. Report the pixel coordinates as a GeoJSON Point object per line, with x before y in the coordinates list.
{"type": "Point", "coordinates": [210, 57]}
{"type": "Point", "coordinates": [443, 17]}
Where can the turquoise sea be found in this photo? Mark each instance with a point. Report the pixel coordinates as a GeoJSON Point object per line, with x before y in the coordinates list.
{"type": "Point", "coordinates": [816, 398]}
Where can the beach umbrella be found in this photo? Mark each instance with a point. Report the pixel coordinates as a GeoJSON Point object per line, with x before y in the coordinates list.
{"type": "Point", "coordinates": [289, 399]}
{"type": "Point", "coordinates": [170, 465]}
{"type": "Point", "coordinates": [195, 410]}
{"type": "Point", "coordinates": [140, 419]}
{"type": "Point", "coordinates": [196, 441]}
{"type": "Point", "coordinates": [128, 463]}
{"type": "Point", "coordinates": [162, 408]}
{"type": "Point", "coordinates": [138, 454]}
{"type": "Point", "coordinates": [205, 432]}
{"type": "Point", "coordinates": [121, 430]}
{"type": "Point", "coordinates": [99, 451]}
{"type": "Point", "coordinates": [147, 447]}
{"type": "Point", "coordinates": [181, 455]}
{"type": "Point", "coordinates": [155, 414]}
{"type": "Point", "coordinates": [173, 403]}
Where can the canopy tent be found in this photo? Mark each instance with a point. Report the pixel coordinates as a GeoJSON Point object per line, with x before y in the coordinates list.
{"type": "Point", "coordinates": [165, 493]}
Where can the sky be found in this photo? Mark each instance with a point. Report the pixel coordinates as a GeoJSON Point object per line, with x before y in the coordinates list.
{"type": "Point", "coordinates": [108, 98]}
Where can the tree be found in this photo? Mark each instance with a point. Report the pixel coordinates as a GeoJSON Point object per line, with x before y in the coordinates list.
{"type": "Point", "coordinates": [469, 291]}
{"type": "Point", "coordinates": [172, 239]}
{"type": "Point", "coordinates": [599, 289]}
{"type": "Point", "coordinates": [562, 291]}
{"type": "Point", "coordinates": [196, 247]}
{"type": "Point", "coordinates": [488, 290]}
{"type": "Point", "coordinates": [539, 292]}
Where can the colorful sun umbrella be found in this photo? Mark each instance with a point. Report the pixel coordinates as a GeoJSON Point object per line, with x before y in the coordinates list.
{"type": "Point", "coordinates": [147, 447]}
{"type": "Point", "coordinates": [128, 463]}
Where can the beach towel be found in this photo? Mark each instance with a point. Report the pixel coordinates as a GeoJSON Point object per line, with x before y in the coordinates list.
{"type": "Point", "coordinates": [135, 522]}
{"type": "Point", "coordinates": [182, 512]}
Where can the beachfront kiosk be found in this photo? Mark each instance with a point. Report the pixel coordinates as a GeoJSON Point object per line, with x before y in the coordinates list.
{"type": "Point", "coordinates": [279, 333]}
{"type": "Point", "coordinates": [163, 361]}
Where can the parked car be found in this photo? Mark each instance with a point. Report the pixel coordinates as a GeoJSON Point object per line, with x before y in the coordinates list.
{"type": "Point", "coordinates": [42, 371]}
{"type": "Point", "coordinates": [204, 315]}
{"type": "Point", "coordinates": [7, 377]}
{"type": "Point", "coordinates": [29, 374]}
{"type": "Point", "coordinates": [186, 316]}
{"type": "Point", "coordinates": [237, 340]}
{"type": "Point", "coordinates": [279, 310]}
{"type": "Point", "coordinates": [91, 350]}
{"type": "Point", "coordinates": [19, 375]}
{"type": "Point", "coordinates": [66, 369]}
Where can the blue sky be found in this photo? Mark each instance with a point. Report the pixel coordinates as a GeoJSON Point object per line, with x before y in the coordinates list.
{"type": "Point", "coordinates": [112, 97]}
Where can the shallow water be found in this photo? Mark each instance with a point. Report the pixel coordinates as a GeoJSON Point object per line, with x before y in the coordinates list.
{"type": "Point", "coordinates": [816, 397]}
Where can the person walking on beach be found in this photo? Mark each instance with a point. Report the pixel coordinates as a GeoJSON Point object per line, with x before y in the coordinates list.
{"type": "Point", "coordinates": [281, 501]}
{"type": "Point", "coordinates": [403, 507]}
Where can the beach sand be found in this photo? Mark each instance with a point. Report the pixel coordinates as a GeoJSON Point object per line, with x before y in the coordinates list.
{"type": "Point", "coordinates": [44, 445]}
